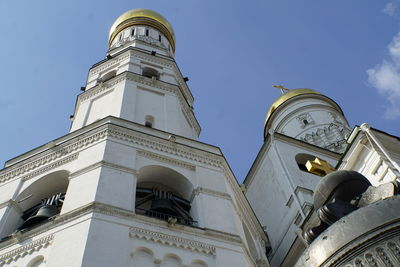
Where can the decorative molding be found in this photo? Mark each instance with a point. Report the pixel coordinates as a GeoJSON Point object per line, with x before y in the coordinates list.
{"type": "Point", "coordinates": [167, 147]}
{"type": "Point", "coordinates": [103, 87]}
{"type": "Point", "coordinates": [171, 240]}
{"type": "Point", "coordinates": [115, 132]}
{"type": "Point", "coordinates": [202, 190]}
{"type": "Point", "coordinates": [51, 166]}
{"type": "Point", "coordinates": [102, 164]}
{"type": "Point", "coordinates": [24, 250]}
{"type": "Point", "coordinates": [158, 157]}
{"type": "Point", "coordinates": [60, 152]}
{"type": "Point", "coordinates": [108, 64]}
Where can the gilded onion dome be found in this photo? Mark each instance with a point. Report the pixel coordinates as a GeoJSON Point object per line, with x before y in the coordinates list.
{"type": "Point", "coordinates": [141, 16]}
{"type": "Point", "coordinates": [285, 97]}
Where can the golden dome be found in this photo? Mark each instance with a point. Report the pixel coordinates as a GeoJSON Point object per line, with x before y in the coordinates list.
{"type": "Point", "coordinates": [285, 97]}
{"type": "Point", "coordinates": [141, 16]}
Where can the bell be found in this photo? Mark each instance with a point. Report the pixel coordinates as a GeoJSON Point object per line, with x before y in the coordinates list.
{"type": "Point", "coordinates": [164, 206]}
{"type": "Point", "coordinates": [42, 214]}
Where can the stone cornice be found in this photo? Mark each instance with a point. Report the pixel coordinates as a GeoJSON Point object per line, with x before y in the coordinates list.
{"type": "Point", "coordinates": [62, 151]}
{"type": "Point", "coordinates": [207, 191]}
{"type": "Point", "coordinates": [113, 211]}
{"type": "Point", "coordinates": [58, 152]}
{"type": "Point", "coordinates": [164, 146]}
{"type": "Point", "coordinates": [102, 164]}
{"type": "Point", "coordinates": [20, 252]}
{"type": "Point", "coordinates": [158, 157]}
{"type": "Point", "coordinates": [171, 240]}
{"type": "Point", "coordinates": [51, 166]}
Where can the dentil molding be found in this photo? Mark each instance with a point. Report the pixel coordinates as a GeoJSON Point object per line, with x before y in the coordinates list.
{"type": "Point", "coordinates": [171, 240]}
{"type": "Point", "coordinates": [24, 250]}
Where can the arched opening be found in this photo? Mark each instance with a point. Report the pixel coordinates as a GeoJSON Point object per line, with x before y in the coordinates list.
{"type": "Point", "coordinates": [149, 121]}
{"type": "Point", "coordinates": [163, 193]}
{"type": "Point", "coordinates": [143, 257]}
{"type": "Point", "coordinates": [198, 263]}
{"type": "Point", "coordinates": [109, 75]}
{"type": "Point", "coordinates": [36, 262]}
{"type": "Point", "coordinates": [302, 159]}
{"type": "Point", "coordinates": [42, 200]}
{"type": "Point", "coordinates": [171, 260]}
{"type": "Point", "coordinates": [150, 73]}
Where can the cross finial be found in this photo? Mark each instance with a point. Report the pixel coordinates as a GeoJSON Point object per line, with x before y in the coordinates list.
{"type": "Point", "coordinates": [283, 89]}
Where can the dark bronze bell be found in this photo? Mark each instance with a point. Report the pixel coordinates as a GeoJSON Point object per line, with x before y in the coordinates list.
{"type": "Point", "coordinates": [163, 205]}
{"type": "Point", "coordinates": [42, 214]}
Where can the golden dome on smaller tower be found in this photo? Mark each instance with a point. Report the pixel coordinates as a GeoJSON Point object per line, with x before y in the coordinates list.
{"type": "Point", "coordinates": [141, 16]}
{"type": "Point", "coordinates": [285, 97]}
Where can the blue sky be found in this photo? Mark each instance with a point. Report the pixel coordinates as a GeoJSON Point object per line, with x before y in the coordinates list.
{"type": "Point", "coordinates": [232, 51]}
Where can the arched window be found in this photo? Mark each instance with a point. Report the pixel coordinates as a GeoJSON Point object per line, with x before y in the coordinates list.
{"type": "Point", "coordinates": [150, 73]}
{"type": "Point", "coordinates": [302, 159]}
{"type": "Point", "coordinates": [147, 32]}
{"type": "Point", "coordinates": [36, 262]}
{"type": "Point", "coordinates": [133, 32]}
{"type": "Point", "coordinates": [163, 193]}
{"type": "Point", "coordinates": [109, 75]}
{"type": "Point", "coordinates": [149, 121]}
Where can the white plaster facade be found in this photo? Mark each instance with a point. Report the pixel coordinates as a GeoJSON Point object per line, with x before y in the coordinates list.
{"type": "Point", "coordinates": [313, 118]}
{"type": "Point", "coordinates": [281, 194]}
{"type": "Point", "coordinates": [128, 130]}
{"type": "Point", "coordinates": [374, 154]}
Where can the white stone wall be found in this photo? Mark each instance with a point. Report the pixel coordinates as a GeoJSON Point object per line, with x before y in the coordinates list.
{"type": "Point", "coordinates": [276, 188]}
{"type": "Point", "coordinates": [314, 119]}
{"type": "Point", "coordinates": [133, 97]}
{"type": "Point", "coordinates": [98, 223]}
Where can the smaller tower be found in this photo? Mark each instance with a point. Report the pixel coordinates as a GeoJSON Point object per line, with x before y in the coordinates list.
{"type": "Point", "coordinates": [300, 126]}
{"type": "Point", "coordinates": [308, 115]}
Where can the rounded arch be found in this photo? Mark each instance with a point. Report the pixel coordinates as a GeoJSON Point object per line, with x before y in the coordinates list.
{"type": "Point", "coordinates": [46, 186]}
{"type": "Point", "coordinates": [53, 185]}
{"type": "Point", "coordinates": [301, 160]}
{"type": "Point", "coordinates": [198, 263]}
{"type": "Point", "coordinates": [150, 73]}
{"type": "Point", "coordinates": [171, 260]}
{"type": "Point", "coordinates": [143, 256]}
{"type": "Point", "coordinates": [166, 179]}
{"type": "Point", "coordinates": [38, 261]}
{"type": "Point", "coordinates": [109, 75]}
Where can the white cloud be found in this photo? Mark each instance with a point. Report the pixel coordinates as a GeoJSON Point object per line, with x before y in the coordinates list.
{"type": "Point", "coordinates": [385, 77]}
{"type": "Point", "coordinates": [390, 8]}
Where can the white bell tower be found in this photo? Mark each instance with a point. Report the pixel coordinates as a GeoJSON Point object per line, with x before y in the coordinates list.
{"type": "Point", "coordinates": [301, 125]}
{"type": "Point", "coordinates": [130, 185]}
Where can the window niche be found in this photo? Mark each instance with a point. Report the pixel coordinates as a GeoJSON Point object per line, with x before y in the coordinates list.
{"type": "Point", "coordinates": [150, 73]}
{"type": "Point", "coordinates": [149, 121]}
{"type": "Point", "coordinates": [305, 120]}
{"type": "Point", "coordinates": [109, 75]}
{"type": "Point", "coordinates": [301, 160]}
{"type": "Point", "coordinates": [163, 193]}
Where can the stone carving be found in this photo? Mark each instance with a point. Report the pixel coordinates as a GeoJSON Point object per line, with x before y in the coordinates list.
{"type": "Point", "coordinates": [332, 137]}
{"type": "Point", "coordinates": [26, 249]}
{"type": "Point", "coordinates": [305, 120]}
{"type": "Point", "coordinates": [51, 166]}
{"type": "Point", "coordinates": [170, 240]}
